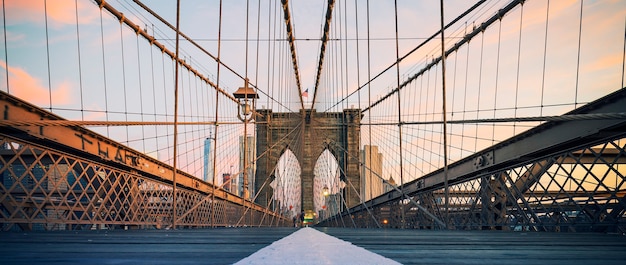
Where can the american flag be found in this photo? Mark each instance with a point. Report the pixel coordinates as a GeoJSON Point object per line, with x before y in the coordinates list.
{"type": "Point", "coordinates": [305, 93]}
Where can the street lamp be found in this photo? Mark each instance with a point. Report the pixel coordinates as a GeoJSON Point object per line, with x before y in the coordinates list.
{"type": "Point", "coordinates": [246, 97]}
{"type": "Point", "coordinates": [325, 191]}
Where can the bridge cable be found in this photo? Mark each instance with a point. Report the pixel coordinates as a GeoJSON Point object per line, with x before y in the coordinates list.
{"type": "Point", "coordinates": [237, 173]}
{"type": "Point", "coordinates": [165, 103]}
{"type": "Point", "coordinates": [464, 40]}
{"type": "Point", "coordinates": [269, 53]}
{"type": "Point", "coordinates": [480, 84]}
{"type": "Point", "coordinates": [175, 169]}
{"type": "Point", "coordinates": [80, 70]}
{"type": "Point", "coordinates": [163, 49]}
{"type": "Point", "coordinates": [124, 81]}
{"type": "Point", "coordinates": [369, 61]}
{"type": "Point", "coordinates": [362, 202]}
{"type": "Point", "coordinates": [104, 77]}
{"type": "Point", "coordinates": [444, 116]}
{"type": "Point", "coordinates": [580, 29]}
{"type": "Point", "coordinates": [358, 61]}
{"type": "Point", "coordinates": [344, 51]}
{"type": "Point", "coordinates": [258, 33]}
{"type": "Point", "coordinates": [399, 107]}
{"type": "Point", "coordinates": [245, 189]}
{"type": "Point", "coordinates": [329, 15]}
{"type": "Point", "coordinates": [426, 40]}
{"type": "Point", "coordinates": [495, 96]}
{"type": "Point", "coordinates": [215, 127]}
{"type": "Point", "coordinates": [292, 47]}
{"type": "Point", "coordinates": [143, 133]}
{"type": "Point", "coordinates": [6, 52]}
{"type": "Point", "coordinates": [45, 12]}
{"type": "Point", "coordinates": [519, 59]}
{"type": "Point", "coordinates": [545, 51]}
{"type": "Point", "coordinates": [216, 59]}
{"type": "Point", "coordinates": [162, 20]}
{"type": "Point", "coordinates": [429, 214]}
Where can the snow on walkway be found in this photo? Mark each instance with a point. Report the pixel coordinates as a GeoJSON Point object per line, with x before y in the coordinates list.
{"type": "Point", "coordinates": [309, 246]}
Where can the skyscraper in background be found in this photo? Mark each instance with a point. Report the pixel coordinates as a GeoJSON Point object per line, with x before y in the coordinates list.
{"type": "Point", "coordinates": [250, 156]}
{"type": "Point", "coordinates": [371, 173]}
{"type": "Point", "coordinates": [208, 159]}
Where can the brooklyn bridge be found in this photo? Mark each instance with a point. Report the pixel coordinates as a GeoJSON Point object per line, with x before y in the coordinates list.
{"type": "Point", "coordinates": [413, 129]}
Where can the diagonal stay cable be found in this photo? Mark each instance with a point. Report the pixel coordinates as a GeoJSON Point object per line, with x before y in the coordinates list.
{"type": "Point", "coordinates": [429, 214]}
{"type": "Point", "coordinates": [153, 40]}
{"type": "Point", "coordinates": [138, 30]}
{"type": "Point", "coordinates": [412, 51]}
{"type": "Point", "coordinates": [481, 28]}
{"type": "Point", "coordinates": [361, 199]}
{"type": "Point", "coordinates": [199, 203]}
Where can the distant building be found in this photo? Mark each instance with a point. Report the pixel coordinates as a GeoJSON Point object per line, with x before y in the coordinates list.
{"type": "Point", "coordinates": [371, 172]}
{"type": "Point", "coordinates": [250, 156]}
{"type": "Point", "coordinates": [226, 179]}
{"type": "Point", "coordinates": [208, 159]}
{"type": "Point", "coordinates": [390, 187]}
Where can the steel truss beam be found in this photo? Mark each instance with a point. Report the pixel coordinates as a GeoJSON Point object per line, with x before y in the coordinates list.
{"type": "Point", "coordinates": [72, 178]}
{"type": "Point", "coordinates": [566, 175]}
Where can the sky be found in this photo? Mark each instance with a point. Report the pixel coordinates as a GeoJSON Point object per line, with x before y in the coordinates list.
{"type": "Point", "coordinates": [545, 58]}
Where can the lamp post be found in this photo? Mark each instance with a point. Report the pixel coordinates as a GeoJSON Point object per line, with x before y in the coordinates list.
{"type": "Point", "coordinates": [325, 192]}
{"type": "Point", "coordinates": [246, 99]}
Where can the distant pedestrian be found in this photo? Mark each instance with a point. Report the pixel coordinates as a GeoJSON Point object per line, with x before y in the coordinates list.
{"type": "Point", "coordinates": [302, 219]}
{"type": "Point", "coordinates": [294, 221]}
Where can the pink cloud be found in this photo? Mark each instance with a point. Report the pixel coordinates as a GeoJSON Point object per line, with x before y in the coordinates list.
{"type": "Point", "coordinates": [59, 13]}
{"type": "Point", "coordinates": [27, 87]}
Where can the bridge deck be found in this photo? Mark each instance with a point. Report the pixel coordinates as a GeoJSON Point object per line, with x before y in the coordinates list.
{"type": "Point", "coordinates": [229, 245]}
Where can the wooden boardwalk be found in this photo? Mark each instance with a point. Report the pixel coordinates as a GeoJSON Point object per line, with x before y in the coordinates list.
{"type": "Point", "coordinates": [229, 245]}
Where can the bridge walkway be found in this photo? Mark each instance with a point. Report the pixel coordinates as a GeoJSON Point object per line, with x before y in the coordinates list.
{"type": "Point", "coordinates": [232, 245]}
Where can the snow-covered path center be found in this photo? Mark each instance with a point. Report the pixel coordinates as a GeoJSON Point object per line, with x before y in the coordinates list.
{"type": "Point", "coordinates": [309, 246]}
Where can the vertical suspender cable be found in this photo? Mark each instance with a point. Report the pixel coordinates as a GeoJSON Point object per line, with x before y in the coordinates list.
{"type": "Point", "coordinates": [480, 82]}
{"type": "Point", "coordinates": [399, 109]}
{"type": "Point", "coordinates": [124, 78]}
{"type": "Point", "coordinates": [358, 77]}
{"type": "Point", "coordinates": [256, 75]}
{"type": "Point", "coordinates": [445, 120]}
{"type": "Point", "coordinates": [345, 50]}
{"type": "Point", "coordinates": [80, 71]}
{"type": "Point", "coordinates": [175, 115]}
{"type": "Point", "coordinates": [6, 52]}
{"type": "Point", "coordinates": [258, 35]}
{"type": "Point", "coordinates": [244, 188]}
{"type": "Point", "coordinates": [154, 100]}
{"type": "Point", "coordinates": [143, 141]}
{"type": "Point", "coordinates": [624, 53]}
{"type": "Point", "coordinates": [369, 88]}
{"type": "Point", "coordinates": [519, 56]}
{"type": "Point", "coordinates": [545, 52]}
{"type": "Point", "coordinates": [580, 30]}
{"type": "Point", "coordinates": [269, 49]}
{"type": "Point", "coordinates": [495, 97]}
{"type": "Point", "coordinates": [104, 75]}
{"type": "Point", "coordinates": [45, 13]}
{"type": "Point", "coordinates": [217, 97]}
{"type": "Point", "coordinates": [358, 65]}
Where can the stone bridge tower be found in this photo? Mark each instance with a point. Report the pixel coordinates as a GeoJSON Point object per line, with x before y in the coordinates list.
{"type": "Point", "coordinates": [312, 133]}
